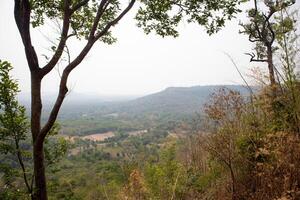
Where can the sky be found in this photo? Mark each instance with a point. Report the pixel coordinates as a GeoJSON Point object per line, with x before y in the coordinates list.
{"type": "Point", "coordinates": [137, 64]}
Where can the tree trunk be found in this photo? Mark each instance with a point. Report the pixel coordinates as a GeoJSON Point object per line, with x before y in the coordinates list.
{"type": "Point", "coordinates": [40, 190]}
{"type": "Point", "coordinates": [271, 66]}
{"type": "Point", "coordinates": [39, 173]}
{"type": "Point", "coordinates": [233, 185]}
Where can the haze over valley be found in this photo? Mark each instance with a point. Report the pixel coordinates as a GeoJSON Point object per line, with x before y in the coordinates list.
{"type": "Point", "coordinates": [150, 100]}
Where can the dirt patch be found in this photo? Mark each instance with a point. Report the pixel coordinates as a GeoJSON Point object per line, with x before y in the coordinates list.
{"type": "Point", "coordinates": [98, 136]}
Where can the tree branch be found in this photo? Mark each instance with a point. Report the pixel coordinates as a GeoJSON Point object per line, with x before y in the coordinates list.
{"type": "Point", "coordinates": [270, 28]}
{"type": "Point", "coordinates": [255, 21]}
{"type": "Point", "coordinates": [22, 17]}
{"type": "Point", "coordinates": [79, 5]}
{"type": "Point", "coordinates": [64, 36]}
{"type": "Point", "coordinates": [252, 59]}
{"type": "Point", "coordinates": [20, 159]}
{"type": "Point", "coordinates": [63, 82]}
{"type": "Point", "coordinates": [101, 9]}
{"type": "Point", "coordinates": [115, 21]}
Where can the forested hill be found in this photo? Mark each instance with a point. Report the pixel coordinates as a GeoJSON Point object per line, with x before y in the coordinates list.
{"type": "Point", "coordinates": [175, 101]}
{"type": "Point", "coordinates": [183, 100]}
{"type": "Point", "coordinates": [163, 108]}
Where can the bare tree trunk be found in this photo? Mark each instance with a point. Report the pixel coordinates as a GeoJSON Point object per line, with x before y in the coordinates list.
{"type": "Point", "coordinates": [234, 197]}
{"type": "Point", "coordinates": [40, 191]}
{"type": "Point", "coordinates": [233, 184]}
{"type": "Point", "coordinates": [39, 172]}
{"type": "Point", "coordinates": [271, 67]}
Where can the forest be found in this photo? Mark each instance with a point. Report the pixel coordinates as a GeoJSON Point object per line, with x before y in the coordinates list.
{"type": "Point", "coordinates": [213, 142]}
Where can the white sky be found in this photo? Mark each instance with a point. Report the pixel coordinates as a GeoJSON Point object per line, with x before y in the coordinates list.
{"type": "Point", "coordinates": [137, 64]}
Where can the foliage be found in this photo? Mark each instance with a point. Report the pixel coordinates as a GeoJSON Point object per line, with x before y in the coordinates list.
{"type": "Point", "coordinates": [15, 148]}
{"type": "Point", "coordinates": [163, 17]}
{"type": "Point", "coordinates": [13, 132]}
{"type": "Point", "coordinates": [263, 27]}
{"type": "Point", "coordinates": [12, 117]}
{"type": "Point", "coordinates": [55, 148]}
{"type": "Point", "coordinates": [264, 31]}
{"type": "Point", "coordinates": [135, 189]}
{"type": "Point", "coordinates": [257, 160]}
{"type": "Point", "coordinates": [249, 150]}
{"type": "Point", "coordinates": [93, 21]}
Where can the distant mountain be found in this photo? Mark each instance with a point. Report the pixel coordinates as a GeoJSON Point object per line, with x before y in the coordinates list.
{"type": "Point", "coordinates": [76, 98]}
{"type": "Point", "coordinates": [76, 104]}
{"type": "Point", "coordinates": [173, 100]}
{"type": "Point", "coordinates": [82, 114]}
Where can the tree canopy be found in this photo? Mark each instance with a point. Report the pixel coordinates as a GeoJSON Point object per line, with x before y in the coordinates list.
{"type": "Point", "coordinates": [93, 21]}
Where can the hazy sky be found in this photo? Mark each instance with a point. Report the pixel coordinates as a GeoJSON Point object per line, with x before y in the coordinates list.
{"type": "Point", "coordinates": [138, 63]}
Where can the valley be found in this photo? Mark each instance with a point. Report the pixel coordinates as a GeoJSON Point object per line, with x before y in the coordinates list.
{"type": "Point", "coordinates": [201, 103]}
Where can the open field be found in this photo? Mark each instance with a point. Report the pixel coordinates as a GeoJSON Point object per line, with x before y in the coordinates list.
{"type": "Point", "coordinates": [99, 136]}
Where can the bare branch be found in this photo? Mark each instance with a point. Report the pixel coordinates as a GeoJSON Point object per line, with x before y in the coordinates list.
{"type": "Point", "coordinates": [252, 59]}
{"type": "Point", "coordinates": [20, 159]}
{"type": "Point", "coordinates": [71, 35]}
{"type": "Point", "coordinates": [68, 54]}
{"type": "Point", "coordinates": [241, 75]}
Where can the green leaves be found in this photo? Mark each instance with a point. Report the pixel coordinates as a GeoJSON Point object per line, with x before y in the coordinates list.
{"type": "Point", "coordinates": [160, 16]}
{"type": "Point", "coordinates": [163, 17]}
{"type": "Point", "coordinates": [81, 19]}
{"type": "Point", "coordinates": [55, 147]}
{"type": "Point", "coordinates": [13, 122]}
{"type": "Point", "coordinates": [156, 16]}
{"type": "Point", "coordinates": [265, 26]}
{"type": "Point", "coordinates": [43, 9]}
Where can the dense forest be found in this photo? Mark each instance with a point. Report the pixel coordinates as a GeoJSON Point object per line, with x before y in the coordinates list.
{"type": "Point", "coordinates": [235, 142]}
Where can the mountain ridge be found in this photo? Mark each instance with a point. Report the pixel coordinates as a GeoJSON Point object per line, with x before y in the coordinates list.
{"type": "Point", "coordinates": [170, 101]}
{"type": "Point", "coordinates": [175, 99]}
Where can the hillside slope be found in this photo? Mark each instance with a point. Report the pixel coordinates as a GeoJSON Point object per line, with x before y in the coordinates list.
{"type": "Point", "coordinates": [176, 100]}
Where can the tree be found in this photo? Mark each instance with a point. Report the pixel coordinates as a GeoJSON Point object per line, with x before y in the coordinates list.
{"type": "Point", "coordinates": [15, 144]}
{"type": "Point", "coordinates": [262, 31]}
{"type": "Point", "coordinates": [13, 124]}
{"type": "Point", "coordinates": [93, 21]}
{"type": "Point", "coordinates": [225, 109]}
{"type": "Point", "coordinates": [135, 189]}
{"type": "Point", "coordinates": [287, 39]}
{"type": "Point", "coordinates": [270, 25]}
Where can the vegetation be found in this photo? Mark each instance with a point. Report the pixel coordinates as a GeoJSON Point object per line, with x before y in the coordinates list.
{"type": "Point", "coordinates": [15, 146]}
{"type": "Point", "coordinates": [13, 132]}
{"type": "Point", "coordinates": [93, 21]}
{"type": "Point", "coordinates": [240, 147]}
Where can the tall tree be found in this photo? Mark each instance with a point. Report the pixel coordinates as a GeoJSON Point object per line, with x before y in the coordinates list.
{"type": "Point", "coordinates": [262, 31]}
{"type": "Point", "coordinates": [93, 20]}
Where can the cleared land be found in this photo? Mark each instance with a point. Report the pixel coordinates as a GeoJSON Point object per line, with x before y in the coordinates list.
{"type": "Point", "coordinates": [99, 136]}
